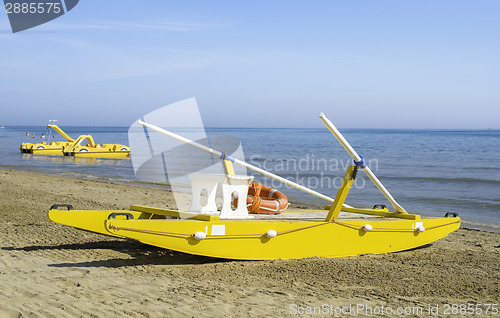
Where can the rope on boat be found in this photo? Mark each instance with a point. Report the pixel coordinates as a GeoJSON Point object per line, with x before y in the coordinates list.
{"type": "Point", "coordinates": [278, 233]}
{"type": "Point", "coordinates": [397, 230]}
{"type": "Point", "coordinates": [147, 231]}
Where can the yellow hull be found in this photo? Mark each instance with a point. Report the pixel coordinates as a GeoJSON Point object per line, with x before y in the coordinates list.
{"type": "Point", "coordinates": [92, 150]}
{"type": "Point", "coordinates": [42, 148]}
{"type": "Point", "coordinates": [100, 154]}
{"type": "Point", "coordinates": [47, 152]}
{"type": "Point", "coordinates": [246, 239]}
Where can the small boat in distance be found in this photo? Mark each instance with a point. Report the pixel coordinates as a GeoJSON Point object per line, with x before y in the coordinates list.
{"type": "Point", "coordinates": [232, 233]}
{"type": "Point", "coordinates": [74, 147]}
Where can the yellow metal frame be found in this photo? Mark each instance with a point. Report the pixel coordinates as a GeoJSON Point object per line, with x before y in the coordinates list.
{"type": "Point", "coordinates": [174, 213]}
{"type": "Point", "coordinates": [337, 206]}
{"type": "Point", "coordinates": [228, 167]}
{"type": "Point", "coordinates": [342, 193]}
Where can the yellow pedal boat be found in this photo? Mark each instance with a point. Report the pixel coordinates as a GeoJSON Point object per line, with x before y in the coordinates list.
{"type": "Point", "coordinates": [93, 150]}
{"type": "Point", "coordinates": [73, 147]}
{"type": "Point", "coordinates": [54, 148]}
{"type": "Point", "coordinates": [232, 233]}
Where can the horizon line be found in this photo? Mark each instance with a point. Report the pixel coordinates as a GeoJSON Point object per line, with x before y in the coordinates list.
{"type": "Point", "coordinates": [277, 128]}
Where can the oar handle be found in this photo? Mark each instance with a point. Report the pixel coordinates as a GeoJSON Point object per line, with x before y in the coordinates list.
{"type": "Point", "coordinates": [180, 138]}
{"type": "Point", "coordinates": [340, 138]}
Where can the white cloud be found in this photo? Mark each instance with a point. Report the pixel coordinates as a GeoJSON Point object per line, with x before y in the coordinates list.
{"type": "Point", "coordinates": [118, 25]}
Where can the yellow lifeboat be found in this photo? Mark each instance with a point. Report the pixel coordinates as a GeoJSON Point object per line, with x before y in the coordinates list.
{"type": "Point", "coordinates": [231, 233]}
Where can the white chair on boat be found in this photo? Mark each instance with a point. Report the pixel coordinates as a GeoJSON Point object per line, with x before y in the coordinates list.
{"type": "Point", "coordinates": [232, 186]}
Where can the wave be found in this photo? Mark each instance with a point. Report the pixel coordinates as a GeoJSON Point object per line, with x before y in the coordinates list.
{"type": "Point", "coordinates": [490, 206]}
{"type": "Point", "coordinates": [318, 175]}
{"type": "Point", "coordinates": [441, 179]}
{"type": "Point", "coordinates": [489, 227]}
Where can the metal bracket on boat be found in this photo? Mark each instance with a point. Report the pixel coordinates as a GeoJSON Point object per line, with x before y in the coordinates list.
{"type": "Point", "coordinates": [451, 215]}
{"type": "Point", "coordinates": [57, 206]}
{"type": "Point", "coordinates": [114, 215]}
{"type": "Point", "coordinates": [354, 172]}
{"type": "Point", "coordinates": [223, 156]}
{"type": "Point", "coordinates": [361, 163]}
{"type": "Point", "coordinates": [379, 206]}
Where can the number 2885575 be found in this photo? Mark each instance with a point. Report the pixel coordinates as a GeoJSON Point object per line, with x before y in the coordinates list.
{"type": "Point", "coordinates": [33, 8]}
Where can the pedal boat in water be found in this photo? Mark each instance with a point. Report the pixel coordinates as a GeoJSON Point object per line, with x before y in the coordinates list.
{"type": "Point", "coordinates": [74, 148]}
{"type": "Point", "coordinates": [233, 233]}
{"type": "Point", "coordinates": [53, 148]}
{"type": "Point", "coordinates": [93, 150]}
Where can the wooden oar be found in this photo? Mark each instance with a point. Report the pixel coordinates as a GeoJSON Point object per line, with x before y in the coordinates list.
{"type": "Point", "coordinates": [235, 161]}
{"type": "Point", "coordinates": [359, 162]}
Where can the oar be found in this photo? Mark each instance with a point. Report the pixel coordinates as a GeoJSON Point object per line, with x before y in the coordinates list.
{"type": "Point", "coordinates": [234, 160]}
{"type": "Point", "coordinates": [359, 162]}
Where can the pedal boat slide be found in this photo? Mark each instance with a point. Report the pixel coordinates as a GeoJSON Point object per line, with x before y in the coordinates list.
{"type": "Point", "coordinates": [232, 233]}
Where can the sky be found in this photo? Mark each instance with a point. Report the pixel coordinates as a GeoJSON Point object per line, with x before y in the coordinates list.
{"type": "Point", "coordinates": [365, 64]}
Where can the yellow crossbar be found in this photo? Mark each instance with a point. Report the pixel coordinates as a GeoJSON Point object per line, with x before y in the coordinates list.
{"type": "Point", "coordinates": [175, 214]}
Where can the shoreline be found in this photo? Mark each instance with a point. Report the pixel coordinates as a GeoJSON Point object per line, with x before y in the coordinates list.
{"type": "Point", "coordinates": [303, 205]}
{"type": "Point", "coordinates": [48, 269]}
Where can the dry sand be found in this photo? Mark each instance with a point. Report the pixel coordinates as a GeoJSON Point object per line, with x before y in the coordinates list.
{"type": "Point", "coordinates": [50, 270]}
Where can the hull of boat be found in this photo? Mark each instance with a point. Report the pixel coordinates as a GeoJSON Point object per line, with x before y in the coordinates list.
{"type": "Point", "coordinates": [51, 149]}
{"type": "Point", "coordinates": [47, 152]}
{"type": "Point", "coordinates": [100, 154]}
{"type": "Point", "coordinates": [249, 239]}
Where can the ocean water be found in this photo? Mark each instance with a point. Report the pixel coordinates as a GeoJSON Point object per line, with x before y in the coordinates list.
{"type": "Point", "coordinates": [430, 172]}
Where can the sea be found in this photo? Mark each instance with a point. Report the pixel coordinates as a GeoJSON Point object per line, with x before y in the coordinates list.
{"type": "Point", "coordinates": [429, 172]}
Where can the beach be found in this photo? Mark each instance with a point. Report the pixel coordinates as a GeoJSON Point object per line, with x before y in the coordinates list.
{"type": "Point", "coordinates": [51, 270]}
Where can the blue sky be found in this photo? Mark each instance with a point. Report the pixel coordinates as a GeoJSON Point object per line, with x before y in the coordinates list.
{"type": "Point", "coordinates": [366, 64]}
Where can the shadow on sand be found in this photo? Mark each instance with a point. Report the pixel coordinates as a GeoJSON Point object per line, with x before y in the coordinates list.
{"type": "Point", "coordinates": [139, 254]}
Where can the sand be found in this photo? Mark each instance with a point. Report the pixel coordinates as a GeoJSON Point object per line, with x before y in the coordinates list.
{"type": "Point", "coordinates": [50, 270]}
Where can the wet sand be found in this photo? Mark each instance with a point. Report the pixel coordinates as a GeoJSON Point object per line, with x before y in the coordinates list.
{"type": "Point", "coordinates": [50, 270]}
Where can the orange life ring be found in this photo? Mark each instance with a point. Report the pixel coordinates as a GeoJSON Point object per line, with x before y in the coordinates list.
{"type": "Point", "coordinates": [262, 199]}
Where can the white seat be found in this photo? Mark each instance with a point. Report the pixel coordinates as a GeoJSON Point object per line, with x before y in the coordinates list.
{"type": "Point", "coordinates": [231, 185]}
{"type": "Point", "coordinates": [239, 186]}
